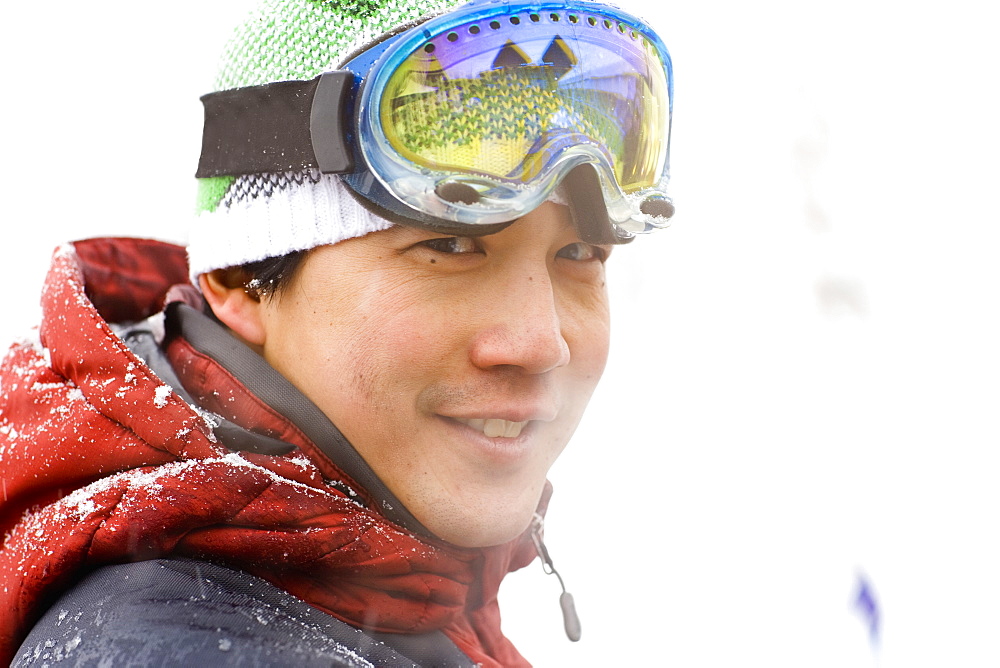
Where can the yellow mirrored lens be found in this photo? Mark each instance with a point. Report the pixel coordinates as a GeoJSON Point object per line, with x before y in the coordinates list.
{"type": "Point", "coordinates": [506, 112]}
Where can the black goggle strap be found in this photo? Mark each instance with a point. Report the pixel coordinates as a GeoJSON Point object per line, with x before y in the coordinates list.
{"type": "Point", "coordinates": [285, 126]}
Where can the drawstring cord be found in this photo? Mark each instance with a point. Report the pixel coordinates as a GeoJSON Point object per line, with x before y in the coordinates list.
{"type": "Point", "coordinates": [571, 622]}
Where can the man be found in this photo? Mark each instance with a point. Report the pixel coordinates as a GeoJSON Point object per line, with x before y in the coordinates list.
{"type": "Point", "coordinates": [334, 449]}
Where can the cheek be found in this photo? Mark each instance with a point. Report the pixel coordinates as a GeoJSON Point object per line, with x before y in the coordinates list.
{"type": "Point", "coordinates": [391, 354]}
{"type": "Point", "coordinates": [588, 332]}
{"type": "Point", "coordinates": [328, 350]}
{"type": "Point", "coordinates": [591, 360]}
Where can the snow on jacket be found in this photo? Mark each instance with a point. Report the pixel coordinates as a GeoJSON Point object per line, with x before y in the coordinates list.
{"type": "Point", "coordinates": [104, 463]}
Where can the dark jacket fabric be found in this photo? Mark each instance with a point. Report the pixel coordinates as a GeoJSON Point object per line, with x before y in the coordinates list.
{"type": "Point", "coordinates": [129, 437]}
{"type": "Point", "coordinates": [192, 613]}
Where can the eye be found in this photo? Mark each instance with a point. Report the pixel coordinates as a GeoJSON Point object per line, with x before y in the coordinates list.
{"type": "Point", "coordinates": [452, 245]}
{"type": "Point", "coordinates": [582, 252]}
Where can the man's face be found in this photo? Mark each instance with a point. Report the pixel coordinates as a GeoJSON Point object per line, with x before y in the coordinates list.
{"type": "Point", "coordinates": [458, 367]}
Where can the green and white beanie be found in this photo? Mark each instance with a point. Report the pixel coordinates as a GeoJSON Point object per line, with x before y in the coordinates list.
{"type": "Point", "coordinates": [249, 218]}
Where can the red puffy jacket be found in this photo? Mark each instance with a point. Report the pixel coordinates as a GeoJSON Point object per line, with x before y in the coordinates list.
{"type": "Point", "coordinates": [102, 463]}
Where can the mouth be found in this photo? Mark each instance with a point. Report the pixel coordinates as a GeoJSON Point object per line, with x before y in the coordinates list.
{"type": "Point", "coordinates": [494, 427]}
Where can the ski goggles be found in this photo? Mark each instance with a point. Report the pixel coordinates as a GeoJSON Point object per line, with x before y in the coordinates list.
{"type": "Point", "coordinates": [473, 118]}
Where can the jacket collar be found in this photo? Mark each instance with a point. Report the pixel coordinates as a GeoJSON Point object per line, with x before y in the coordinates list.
{"type": "Point", "coordinates": [260, 408]}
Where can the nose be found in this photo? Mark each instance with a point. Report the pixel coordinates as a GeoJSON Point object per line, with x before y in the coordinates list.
{"type": "Point", "coordinates": [522, 327]}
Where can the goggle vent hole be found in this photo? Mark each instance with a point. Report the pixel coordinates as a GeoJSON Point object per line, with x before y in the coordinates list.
{"type": "Point", "coordinates": [457, 193]}
{"type": "Point", "coordinates": [658, 207]}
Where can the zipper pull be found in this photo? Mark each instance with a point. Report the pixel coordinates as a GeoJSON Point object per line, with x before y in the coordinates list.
{"type": "Point", "coordinates": [571, 622]}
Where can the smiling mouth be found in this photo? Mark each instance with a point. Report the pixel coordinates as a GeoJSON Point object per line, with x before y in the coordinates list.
{"type": "Point", "coordinates": [494, 427]}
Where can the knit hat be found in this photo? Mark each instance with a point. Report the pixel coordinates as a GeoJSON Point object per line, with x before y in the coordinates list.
{"type": "Point", "coordinates": [249, 218]}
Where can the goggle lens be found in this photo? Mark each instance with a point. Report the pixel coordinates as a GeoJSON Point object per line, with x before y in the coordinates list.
{"type": "Point", "coordinates": [506, 96]}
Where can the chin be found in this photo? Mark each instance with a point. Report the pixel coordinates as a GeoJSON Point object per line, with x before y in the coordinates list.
{"type": "Point", "coordinates": [497, 525]}
{"type": "Point", "coordinates": [484, 537]}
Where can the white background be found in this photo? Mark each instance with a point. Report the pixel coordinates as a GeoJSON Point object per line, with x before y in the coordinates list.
{"type": "Point", "coordinates": [803, 386]}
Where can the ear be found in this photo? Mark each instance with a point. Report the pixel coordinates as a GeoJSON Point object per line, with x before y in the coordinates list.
{"type": "Point", "coordinates": [240, 310]}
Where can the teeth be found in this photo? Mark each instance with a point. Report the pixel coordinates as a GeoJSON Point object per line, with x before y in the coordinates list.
{"type": "Point", "coordinates": [495, 428]}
